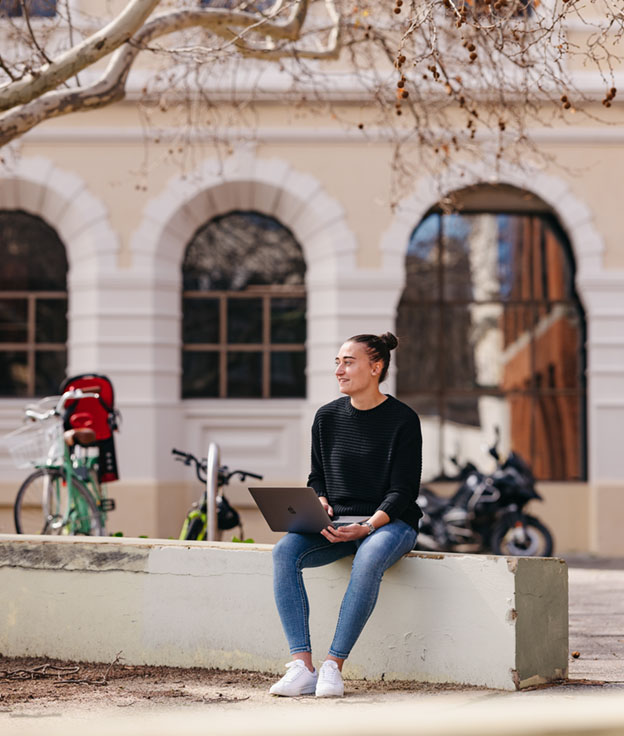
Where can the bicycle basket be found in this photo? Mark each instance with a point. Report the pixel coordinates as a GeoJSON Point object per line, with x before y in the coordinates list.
{"type": "Point", "coordinates": [36, 443]}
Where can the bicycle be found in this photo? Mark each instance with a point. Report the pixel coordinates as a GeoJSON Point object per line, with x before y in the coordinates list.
{"type": "Point", "coordinates": [195, 523]}
{"type": "Point", "coordinates": [64, 494]}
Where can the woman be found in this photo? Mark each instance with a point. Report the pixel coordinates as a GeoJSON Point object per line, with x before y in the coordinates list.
{"type": "Point", "coordinates": [366, 460]}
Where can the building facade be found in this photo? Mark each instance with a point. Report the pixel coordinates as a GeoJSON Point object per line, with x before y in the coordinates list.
{"type": "Point", "coordinates": [540, 354]}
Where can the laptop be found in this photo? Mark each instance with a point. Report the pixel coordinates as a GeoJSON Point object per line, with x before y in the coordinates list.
{"type": "Point", "coordinates": [296, 510]}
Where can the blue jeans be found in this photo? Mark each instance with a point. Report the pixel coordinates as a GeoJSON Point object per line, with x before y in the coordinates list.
{"type": "Point", "coordinates": [373, 556]}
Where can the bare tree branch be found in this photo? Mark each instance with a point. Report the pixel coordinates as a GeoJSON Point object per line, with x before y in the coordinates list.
{"type": "Point", "coordinates": [443, 78]}
{"type": "Point", "coordinates": [111, 86]}
{"type": "Point", "coordinates": [85, 54]}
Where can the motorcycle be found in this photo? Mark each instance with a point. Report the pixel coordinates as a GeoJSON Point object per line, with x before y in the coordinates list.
{"type": "Point", "coordinates": [485, 515]}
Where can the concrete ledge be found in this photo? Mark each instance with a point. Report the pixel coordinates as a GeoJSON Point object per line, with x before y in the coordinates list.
{"type": "Point", "coordinates": [490, 621]}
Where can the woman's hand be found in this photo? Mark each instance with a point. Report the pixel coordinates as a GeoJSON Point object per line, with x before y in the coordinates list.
{"type": "Point", "coordinates": [345, 533]}
{"type": "Point", "coordinates": [326, 506]}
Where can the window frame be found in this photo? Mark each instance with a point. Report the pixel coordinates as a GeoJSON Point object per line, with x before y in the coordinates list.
{"type": "Point", "coordinates": [30, 346]}
{"type": "Point", "coordinates": [536, 393]}
{"type": "Point", "coordinates": [213, 275]}
{"type": "Point", "coordinates": [266, 348]}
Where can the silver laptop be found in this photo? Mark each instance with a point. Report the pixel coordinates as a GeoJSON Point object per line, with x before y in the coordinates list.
{"type": "Point", "coordinates": [296, 510]}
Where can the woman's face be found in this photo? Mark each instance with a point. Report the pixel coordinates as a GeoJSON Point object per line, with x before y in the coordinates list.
{"type": "Point", "coordinates": [354, 370]}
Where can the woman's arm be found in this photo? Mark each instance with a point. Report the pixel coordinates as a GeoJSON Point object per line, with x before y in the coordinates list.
{"type": "Point", "coordinates": [405, 471]}
{"type": "Point", "coordinates": [316, 479]}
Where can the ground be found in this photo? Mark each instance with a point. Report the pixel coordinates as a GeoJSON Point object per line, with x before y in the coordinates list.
{"type": "Point", "coordinates": [28, 682]}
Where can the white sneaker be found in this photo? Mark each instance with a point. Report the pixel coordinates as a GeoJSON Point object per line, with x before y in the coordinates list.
{"type": "Point", "coordinates": [330, 684]}
{"type": "Point", "coordinates": [297, 681]}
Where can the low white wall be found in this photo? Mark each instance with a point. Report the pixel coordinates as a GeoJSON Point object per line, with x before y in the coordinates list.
{"type": "Point", "coordinates": [490, 621]}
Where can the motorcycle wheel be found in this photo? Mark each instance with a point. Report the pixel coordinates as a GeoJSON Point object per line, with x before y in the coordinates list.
{"type": "Point", "coordinates": [531, 540]}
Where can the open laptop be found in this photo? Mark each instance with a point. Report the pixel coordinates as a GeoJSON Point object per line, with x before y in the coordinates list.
{"type": "Point", "coordinates": [296, 510]}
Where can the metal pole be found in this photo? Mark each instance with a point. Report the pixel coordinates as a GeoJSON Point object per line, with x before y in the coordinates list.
{"type": "Point", "coordinates": [212, 484]}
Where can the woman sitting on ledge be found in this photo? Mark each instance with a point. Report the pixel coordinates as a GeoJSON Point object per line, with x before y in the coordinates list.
{"type": "Point", "coordinates": [366, 460]}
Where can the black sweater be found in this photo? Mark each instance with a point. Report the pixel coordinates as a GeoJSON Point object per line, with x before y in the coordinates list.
{"type": "Point", "coordinates": [363, 461]}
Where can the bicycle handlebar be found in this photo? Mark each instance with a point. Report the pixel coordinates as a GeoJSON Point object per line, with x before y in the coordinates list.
{"type": "Point", "coordinates": [224, 474]}
{"type": "Point", "coordinates": [76, 393]}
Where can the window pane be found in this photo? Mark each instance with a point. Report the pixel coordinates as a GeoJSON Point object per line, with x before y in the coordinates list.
{"type": "Point", "coordinates": [49, 371]}
{"type": "Point", "coordinates": [32, 255]}
{"type": "Point", "coordinates": [558, 343]}
{"type": "Point", "coordinates": [45, 8]}
{"type": "Point", "coordinates": [482, 256]}
{"type": "Point", "coordinates": [13, 320]}
{"type": "Point", "coordinates": [518, 368]}
{"type": "Point", "coordinates": [288, 374]}
{"type": "Point", "coordinates": [421, 263]}
{"type": "Point", "coordinates": [469, 427]}
{"type": "Point", "coordinates": [200, 323]}
{"type": "Point", "coordinates": [288, 320]}
{"type": "Point", "coordinates": [200, 374]}
{"type": "Point", "coordinates": [546, 431]}
{"type": "Point", "coordinates": [473, 344]}
{"type": "Point", "coordinates": [418, 357]}
{"type": "Point", "coordinates": [240, 249]}
{"type": "Point", "coordinates": [244, 375]}
{"type": "Point", "coordinates": [249, 5]}
{"type": "Point", "coordinates": [37, 8]}
{"type": "Point", "coordinates": [457, 265]}
{"type": "Point", "coordinates": [244, 318]}
{"type": "Point", "coordinates": [13, 373]}
{"type": "Point", "coordinates": [10, 8]}
{"type": "Point", "coordinates": [51, 320]}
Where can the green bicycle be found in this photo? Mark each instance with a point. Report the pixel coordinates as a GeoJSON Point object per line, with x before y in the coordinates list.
{"type": "Point", "coordinates": [63, 495]}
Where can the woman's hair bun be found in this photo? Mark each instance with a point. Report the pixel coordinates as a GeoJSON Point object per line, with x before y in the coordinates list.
{"type": "Point", "coordinates": [390, 340]}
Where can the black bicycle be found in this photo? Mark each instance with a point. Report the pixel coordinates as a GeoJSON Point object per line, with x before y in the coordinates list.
{"type": "Point", "coordinates": [196, 521]}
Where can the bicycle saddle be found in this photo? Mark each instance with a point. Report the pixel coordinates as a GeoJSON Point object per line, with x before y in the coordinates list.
{"type": "Point", "coordinates": [82, 437]}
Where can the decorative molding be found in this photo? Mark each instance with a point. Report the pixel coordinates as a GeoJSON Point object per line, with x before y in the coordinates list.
{"type": "Point", "coordinates": [601, 135]}
{"type": "Point", "coordinates": [64, 201]}
{"type": "Point", "coordinates": [275, 188]}
{"type": "Point", "coordinates": [555, 191]}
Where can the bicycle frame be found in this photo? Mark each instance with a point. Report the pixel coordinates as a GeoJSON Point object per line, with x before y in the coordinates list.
{"type": "Point", "coordinates": [76, 467]}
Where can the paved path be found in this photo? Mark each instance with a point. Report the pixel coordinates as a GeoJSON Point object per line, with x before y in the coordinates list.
{"type": "Point", "coordinates": [597, 622]}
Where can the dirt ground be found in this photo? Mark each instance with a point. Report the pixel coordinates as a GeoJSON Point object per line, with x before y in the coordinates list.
{"type": "Point", "coordinates": [51, 683]}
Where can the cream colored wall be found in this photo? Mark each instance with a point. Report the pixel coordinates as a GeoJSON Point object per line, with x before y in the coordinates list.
{"type": "Point", "coordinates": [595, 177]}
{"type": "Point", "coordinates": [356, 173]}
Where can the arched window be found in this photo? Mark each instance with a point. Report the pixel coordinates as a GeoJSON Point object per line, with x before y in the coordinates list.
{"type": "Point", "coordinates": [244, 310]}
{"type": "Point", "coordinates": [33, 306]}
{"type": "Point", "coordinates": [494, 333]}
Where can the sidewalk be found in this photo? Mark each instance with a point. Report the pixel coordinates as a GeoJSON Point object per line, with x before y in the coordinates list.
{"type": "Point", "coordinates": [597, 620]}
{"type": "Point", "coordinates": [591, 702]}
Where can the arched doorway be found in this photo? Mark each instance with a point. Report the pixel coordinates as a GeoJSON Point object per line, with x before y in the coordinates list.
{"type": "Point", "coordinates": [493, 333]}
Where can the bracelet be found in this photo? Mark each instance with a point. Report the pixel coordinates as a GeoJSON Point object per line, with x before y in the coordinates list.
{"type": "Point", "coordinates": [371, 528]}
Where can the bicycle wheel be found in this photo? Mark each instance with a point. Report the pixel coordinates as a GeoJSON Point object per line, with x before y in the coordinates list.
{"type": "Point", "coordinates": [43, 506]}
